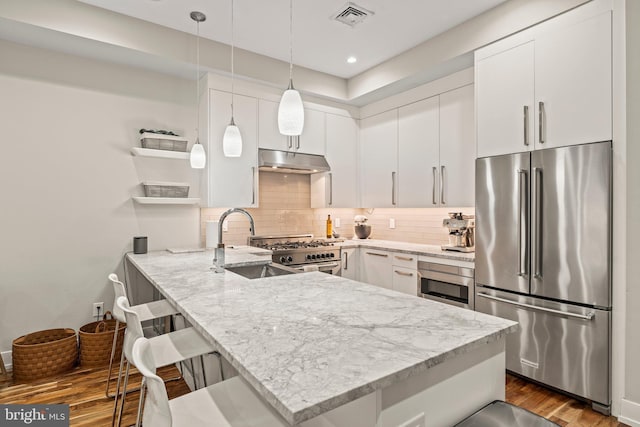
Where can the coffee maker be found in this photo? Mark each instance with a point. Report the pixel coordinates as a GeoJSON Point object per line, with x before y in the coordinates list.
{"type": "Point", "coordinates": [461, 232]}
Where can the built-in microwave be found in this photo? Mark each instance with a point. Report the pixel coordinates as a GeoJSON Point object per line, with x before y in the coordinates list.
{"type": "Point", "coordinates": [447, 283]}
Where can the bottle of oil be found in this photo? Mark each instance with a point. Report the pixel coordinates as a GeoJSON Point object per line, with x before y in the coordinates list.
{"type": "Point", "coordinates": [329, 227]}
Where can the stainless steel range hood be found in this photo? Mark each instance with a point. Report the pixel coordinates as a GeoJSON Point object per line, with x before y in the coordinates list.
{"type": "Point", "coordinates": [291, 162]}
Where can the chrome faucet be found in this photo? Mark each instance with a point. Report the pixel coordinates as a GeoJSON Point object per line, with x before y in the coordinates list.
{"type": "Point", "coordinates": [219, 260]}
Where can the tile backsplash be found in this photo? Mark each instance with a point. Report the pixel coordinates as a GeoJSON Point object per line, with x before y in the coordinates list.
{"type": "Point", "coordinates": [285, 209]}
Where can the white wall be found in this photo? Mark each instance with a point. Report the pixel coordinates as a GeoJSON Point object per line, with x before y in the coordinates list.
{"type": "Point", "coordinates": [631, 402]}
{"type": "Point", "coordinates": [67, 179]}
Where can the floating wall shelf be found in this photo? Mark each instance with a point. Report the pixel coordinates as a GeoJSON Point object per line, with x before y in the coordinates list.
{"type": "Point", "coordinates": [167, 200]}
{"type": "Point", "coordinates": [162, 154]}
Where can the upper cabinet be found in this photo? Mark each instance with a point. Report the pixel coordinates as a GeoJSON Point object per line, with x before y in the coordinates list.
{"type": "Point", "coordinates": [420, 155]}
{"type": "Point", "coordinates": [338, 188]}
{"type": "Point", "coordinates": [231, 181]}
{"type": "Point", "coordinates": [457, 148]}
{"type": "Point", "coordinates": [379, 160]}
{"type": "Point", "coordinates": [550, 86]}
{"type": "Point", "coordinates": [312, 140]}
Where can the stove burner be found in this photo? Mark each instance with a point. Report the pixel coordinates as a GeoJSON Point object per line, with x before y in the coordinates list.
{"type": "Point", "coordinates": [288, 245]}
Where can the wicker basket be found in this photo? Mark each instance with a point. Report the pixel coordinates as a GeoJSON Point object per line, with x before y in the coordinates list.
{"type": "Point", "coordinates": [96, 341]}
{"type": "Point", "coordinates": [166, 189]}
{"type": "Point", "coordinates": [163, 142]}
{"type": "Point", "coordinates": [44, 353]}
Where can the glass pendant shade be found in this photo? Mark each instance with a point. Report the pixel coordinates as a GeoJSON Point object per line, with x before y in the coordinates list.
{"type": "Point", "coordinates": [232, 141]}
{"type": "Point", "coordinates": [291, 113]}
{"type": "Point", "coordinates": [197, 157]}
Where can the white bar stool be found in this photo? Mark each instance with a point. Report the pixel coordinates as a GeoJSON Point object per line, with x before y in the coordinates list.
{"type": "Point", "coordinates": [229, 403]}
{"type": "Point", "coordinates": [168, 349]}
{"type": "Point", "coordinates": [149, 311]}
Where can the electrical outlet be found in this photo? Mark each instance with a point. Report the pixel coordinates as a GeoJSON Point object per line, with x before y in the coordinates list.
{"type": "Point", "coordinates": [225, 225]}
{"type": "Point", "coordinates": [392, 223]}
{"type": "Point", "coordinates": [337, 222]}
{"type": "Point", "coordinates": [98, 309]}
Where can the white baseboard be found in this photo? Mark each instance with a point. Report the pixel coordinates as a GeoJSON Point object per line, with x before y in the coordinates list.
{"type": "Point", "coordinates": [6, 357]}
{"type": "Point", "coordinates": [630, 413]}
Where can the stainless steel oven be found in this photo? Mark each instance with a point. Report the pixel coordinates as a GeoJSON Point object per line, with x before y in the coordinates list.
{"type": "Point", "coordinates": [447, 283]}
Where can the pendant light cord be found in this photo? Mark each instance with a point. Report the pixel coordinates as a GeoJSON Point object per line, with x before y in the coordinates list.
{"type": "Point", "coordinates": [290, 41]}
{"type": "Point", "coordinates": [198, 82]}
{"type": "Point", "coordinates": [232, 61]}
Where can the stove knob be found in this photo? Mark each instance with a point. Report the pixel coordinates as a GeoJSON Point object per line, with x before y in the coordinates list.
{"type": "Point", "coordinates": [289, 259]}
{"type": "Point", "coordinates": [332, 255]}
{"type": "Point", "coordinates": [323, 255]}
{"type": "Point", "coordinates": [308, 256]}
{"type": "Point", "coordinates": [282, 260]}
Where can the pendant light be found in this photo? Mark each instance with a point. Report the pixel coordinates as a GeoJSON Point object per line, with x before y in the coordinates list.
{"type": "Point", "coordinates": [232, 140]}
{"type": "Point", "coordinates": [291, 111]}
{"type": "Point", "coordinates": [198, 157]}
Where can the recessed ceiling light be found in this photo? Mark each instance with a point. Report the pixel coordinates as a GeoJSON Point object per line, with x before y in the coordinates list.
{"type": "Point", "coordinates": [352, 60]}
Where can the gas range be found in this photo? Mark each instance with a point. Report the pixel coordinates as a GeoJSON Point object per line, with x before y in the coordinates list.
{"type": "Point", "coordinates": [300, 250]}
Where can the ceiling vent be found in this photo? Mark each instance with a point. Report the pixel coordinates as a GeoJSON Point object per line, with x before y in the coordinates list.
{"type": "Point", "coordinates": [352, 14]}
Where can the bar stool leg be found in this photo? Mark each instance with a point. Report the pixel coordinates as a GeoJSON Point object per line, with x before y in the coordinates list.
{"type": "Point", "coordinates": [117, 395]}
{"type": "Point", "coordinates": [124, 394]}
{"type": "Point", "coordinates": [113, 353]}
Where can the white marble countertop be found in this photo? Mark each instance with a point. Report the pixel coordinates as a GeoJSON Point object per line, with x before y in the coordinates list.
{"type": "Point", "coordinates": [311, 342]}
{"type": "Point", "coordinates": [410, 248]}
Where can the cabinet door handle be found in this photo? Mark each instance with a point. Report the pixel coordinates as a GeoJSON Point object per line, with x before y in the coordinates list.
{"type": "Point", "coordinates": [382, 255]}
{"type": "Point", "coordinates": [541, 122]}
{"type": "Point", "coordinates": [330, 189]}
{"type": "Point", "coordinates": [393, 188]}
{"type": "Point", "coordinates": [253, 189]}
{"type": "Point", "coordinates": [442, 186]}
{"type": "Point", "coordinates": [290, 141]}
{"type": "Point", "coordinates": [346, 260]}
{"type": "Point", "coordinates": [526, 125]}
{"type": "Point", "coordinates": [404, 258]}
{"type": "Point", "coordinates": [433, 188]}
{"type": "Point", "coordinates": [402, 273]}
{"type": "Point", "coordinates": [297, 141]}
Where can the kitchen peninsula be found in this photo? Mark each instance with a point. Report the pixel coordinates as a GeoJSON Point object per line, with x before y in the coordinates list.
{"type": "Point", "coordinates": [325, 350]}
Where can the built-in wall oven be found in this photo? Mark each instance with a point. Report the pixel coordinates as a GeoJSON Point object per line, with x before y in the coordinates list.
{"type": "Point", "coordinates": [450, 284]}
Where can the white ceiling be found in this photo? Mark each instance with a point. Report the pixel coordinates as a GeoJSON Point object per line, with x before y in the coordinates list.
{"type": "Point", "coordinates": [319, 43]}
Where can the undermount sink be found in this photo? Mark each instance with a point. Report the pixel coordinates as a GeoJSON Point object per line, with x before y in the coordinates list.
{"type": "Point", "coordinates": [262, 270]}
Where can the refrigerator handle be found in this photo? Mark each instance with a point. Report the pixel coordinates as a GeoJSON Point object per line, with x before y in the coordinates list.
{"type": "Point", "coordinates": [589, 316]}
{"type": "Point", "coordinates": [537, 238]}
{"type": "Point", "coordinates": [523, 196]}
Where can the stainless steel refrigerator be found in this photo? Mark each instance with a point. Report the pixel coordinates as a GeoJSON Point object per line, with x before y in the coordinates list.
{"type": "Point", "coordinates": [543, 259]}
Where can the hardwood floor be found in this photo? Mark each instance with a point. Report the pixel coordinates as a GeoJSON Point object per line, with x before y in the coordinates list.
{"type": "Point", "coordinates": [83, 390]}
{"type": "Point", "coordinates": [556, 407]}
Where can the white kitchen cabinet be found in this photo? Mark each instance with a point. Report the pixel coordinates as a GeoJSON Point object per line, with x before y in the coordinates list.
{"type": "Point", "coordinates": [573, 84]}
{"type": "Point", "coordinates": [550, 86]}
{"type": "Point", "coordinates": [231, 181]}
{"type": "Point", "coordinates": [379, 160]}
{"type": "Point", "coordinates": [269, 135]}
{"type": "Point", "coordinates": [457, 148]}
{"type": "Point", "coordinates": [504, 104]}
{"type": "Point", "coordinates": [338, 188]}
{"type": "Point", "coordinates": [350, 258]}
{"type": "Point", "coordinates": [436, 151]}
{"type": "Point", "coordinates": [375, 268]}
{"type": "Point", "coordinates": [405, 280]}
{"type": "Point", "coordinates": [312, 140]}
{"type": "Point", "coordinates": [418, 153]}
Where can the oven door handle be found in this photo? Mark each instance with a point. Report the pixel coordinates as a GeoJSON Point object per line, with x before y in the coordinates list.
{"type": "Point", "coordinates": [326, 265]}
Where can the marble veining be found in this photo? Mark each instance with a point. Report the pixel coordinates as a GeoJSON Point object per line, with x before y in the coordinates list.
{"type": "Point", "coordinates": [311, 342]}
{"type": "Point", "coordinates": [409, 248]}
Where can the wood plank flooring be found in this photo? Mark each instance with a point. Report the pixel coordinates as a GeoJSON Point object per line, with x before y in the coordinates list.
{"type": "Point", "coordinates": [560, 409]}
{"type": "Point", "coordinates": [83, 390]}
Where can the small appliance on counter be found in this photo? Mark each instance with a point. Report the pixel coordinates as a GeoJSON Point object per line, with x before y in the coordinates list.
{"type": "Point", "coordinates": [461, 232]}
{"type": "Point", "coordinates": [361, 228]}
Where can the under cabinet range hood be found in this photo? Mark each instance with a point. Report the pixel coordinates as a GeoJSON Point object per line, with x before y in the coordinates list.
{"type": "Point", "coordinates": [291, 162]}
